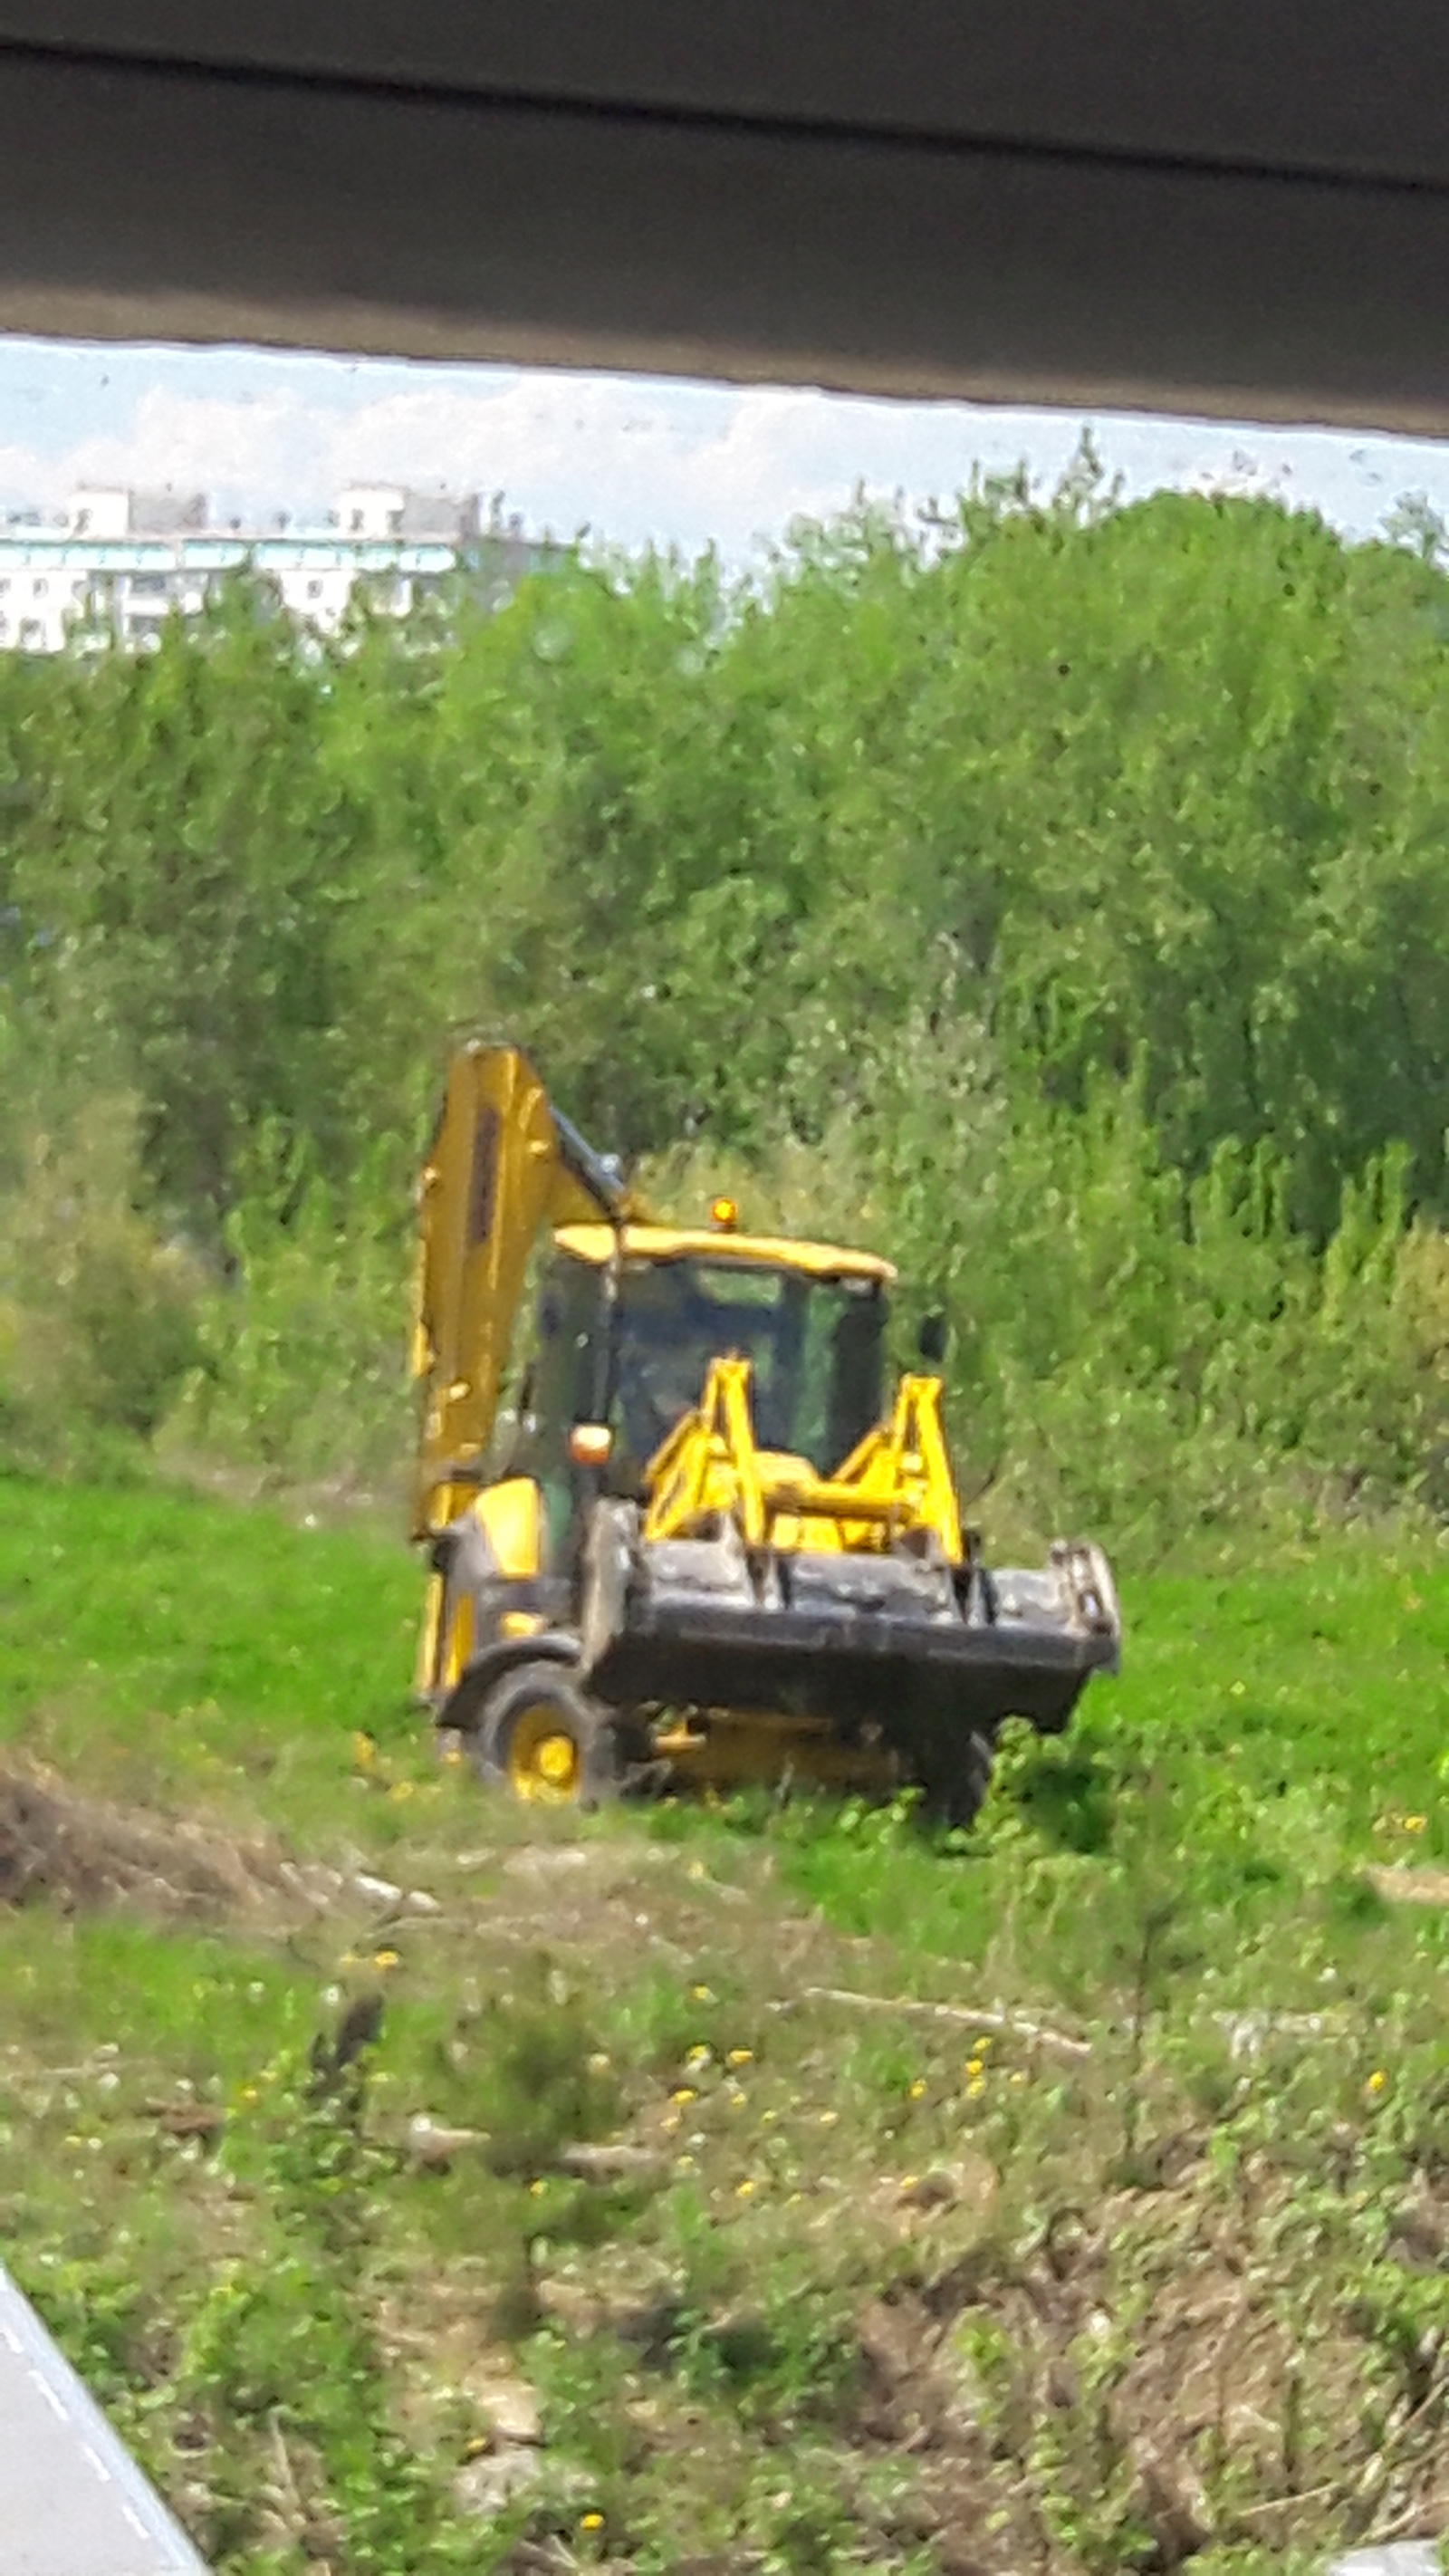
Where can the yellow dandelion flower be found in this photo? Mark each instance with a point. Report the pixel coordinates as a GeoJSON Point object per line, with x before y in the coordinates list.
{"type": "Point", "coordinates": [599, 2062]}
{"type": "Point", "coordinates": [744, 2189]}
{"type": "Point", "coordinates": [697, 1869]}
{"type": "Point", "coordinates": [364, 1751]}
{"type": "Point", "coordinates": [767, 2116]}
{"type": "Point", "coordinates": [975, 2088]}
{"type": "Point", "coordinates": [699, 2055]}
{"type": "Point", "coordinates": [909, 2181]}
{"type": "Point", "coordinates": [917, 2089]}
{"type": "Point", "coordinates": [400, 1789]}
{"type": "Point", "coordinates": [740, 2057]}
{"type": "Point", "coordinates": [684, 2164]}
{"type": "Point", "coordinates": [385, 1959]}
{"type": "Point", "coordinates": [1376, 2081]}
{"type": "Point", "coordinates": [538, 2187]}
{"type": "Point", "coordinates": [828, 2119]}
{"type": "Point", "coordinates": [1016, 2076]}
{"type": "Point", "coordinates": [671, 2123]}
{"type": "Point", "coordinates": [249, 2093]}
{"type": "Point", "coordinates": [980, 2046]}
{"type": "Point", "coordinates": [701, 1995]}
{"type": "Point", "coordinates": [591, 2522]}
{"type": "Point", "coordinates": [975, 2066]}
{"type": "Point", "coordinates": [684, 2093]}
{"type": "Point", "coordinates": [1415, 1824]}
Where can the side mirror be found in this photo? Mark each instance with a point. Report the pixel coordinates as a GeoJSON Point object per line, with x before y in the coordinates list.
{"type": "Point", "coordinates": [931, 1338]}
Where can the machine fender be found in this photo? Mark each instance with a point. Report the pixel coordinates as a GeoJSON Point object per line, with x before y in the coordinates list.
{"type": "Point", "coordinates": [462, 1709]}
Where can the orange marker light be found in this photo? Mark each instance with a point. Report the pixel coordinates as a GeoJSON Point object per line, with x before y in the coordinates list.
{"type": "Point", "coordinates": [590, 1444]}
{"type": "Point", "coordinates": [725, 1215]}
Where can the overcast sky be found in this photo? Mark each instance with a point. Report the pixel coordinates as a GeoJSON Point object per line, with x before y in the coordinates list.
{"type": "Point", "coordinates": [628, 458]}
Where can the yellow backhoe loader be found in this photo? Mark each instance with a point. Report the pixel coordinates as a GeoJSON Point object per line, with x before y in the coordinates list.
{"type": "Point", "coordinates": [699, 1542]}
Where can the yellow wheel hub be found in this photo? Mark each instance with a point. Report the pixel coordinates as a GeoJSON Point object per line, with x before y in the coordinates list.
{"type": "Point", "coordinates": [544, 1760]}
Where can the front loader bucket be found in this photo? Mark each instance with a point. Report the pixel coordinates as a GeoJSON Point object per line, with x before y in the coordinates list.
{"type": "Point", "coordinates": [891, 1642]}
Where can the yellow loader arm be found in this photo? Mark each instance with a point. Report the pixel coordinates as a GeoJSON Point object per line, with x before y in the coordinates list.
{"type": "Point", "coordinates": [502, 1166]}
{"type": "Point", "coordinates": [898, 1479]}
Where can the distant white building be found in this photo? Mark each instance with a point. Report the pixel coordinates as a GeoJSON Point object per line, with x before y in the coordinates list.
{"type": "Point", "coordinates": [122, 561]}
{"type": "Point", "coordinates": [374, 510]}
{"type": "Point", "coordinates": [105, 510]}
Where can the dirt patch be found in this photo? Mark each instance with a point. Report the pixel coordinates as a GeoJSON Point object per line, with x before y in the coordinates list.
{"type": "Point", "coordinates": [1143, 2383]}
{"type": "Point", "coordinates": [81, 1852]}
{"type": "Point", "coordinates": [612, 1906]}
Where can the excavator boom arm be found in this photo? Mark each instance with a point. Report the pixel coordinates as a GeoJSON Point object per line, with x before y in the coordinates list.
{"type": "Point", "coordinates": [503, 1165]}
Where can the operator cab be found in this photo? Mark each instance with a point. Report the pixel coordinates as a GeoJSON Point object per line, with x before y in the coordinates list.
{"type": "Point", "coordinates": [815, 1348]}
{"type": "Point", "coordinates": [629, 1340]}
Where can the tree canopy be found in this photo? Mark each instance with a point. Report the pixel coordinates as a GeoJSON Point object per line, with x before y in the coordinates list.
{"type": "Point", "coordinates": [986, 865]}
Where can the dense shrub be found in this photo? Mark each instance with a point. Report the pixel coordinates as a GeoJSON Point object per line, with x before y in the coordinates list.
{"type": "Point", "coordinates": [98, 1315]}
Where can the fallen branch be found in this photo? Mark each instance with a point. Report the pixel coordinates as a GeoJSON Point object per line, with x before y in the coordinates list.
{"type": "Point", "coordinates": [1283, 2503]}
{"type": "Point", "coordinates": [1411, 1886]}
{"type": "Point", "coordinates": [291, 2509]}
{"type": "Point", "coordinates": [433, 2145]}
{"type": "Point", "coordinates": [612, 2163]}
{"type": "Point", "coordinates": [187, 2119]}
{"type": "Point", "coordinates": [1422, 2520]}
{"type": "Point", "coordinates": [1012, 2025]}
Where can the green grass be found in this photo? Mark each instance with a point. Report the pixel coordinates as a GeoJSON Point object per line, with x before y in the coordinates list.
{"type": "Point", "coordinates": [1207, 1824]}
{"type": "Point", "coordinates": [181, 1651]}
{"type": "Point", "coordinates": [1330, 1672]}
{"type": "Point", "coordinates": [887, 2286]}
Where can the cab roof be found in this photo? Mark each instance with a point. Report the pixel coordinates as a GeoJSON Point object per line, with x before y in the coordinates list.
{"type": "Point", "coordinates": [595, 1243]}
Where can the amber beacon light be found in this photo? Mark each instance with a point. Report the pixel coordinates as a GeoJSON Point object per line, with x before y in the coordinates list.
{"type": "Point", "coordinates": [590, 1444]}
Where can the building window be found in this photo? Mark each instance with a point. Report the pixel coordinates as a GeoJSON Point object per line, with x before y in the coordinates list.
{"type": "Point", "coordinates": [4, 581]}
{"type": "Point", "coordinates": [30, 635]}
{"type": "Point", "coordinates": [41, 587]}
{"type": "Point", "coordinates": [314, 590]}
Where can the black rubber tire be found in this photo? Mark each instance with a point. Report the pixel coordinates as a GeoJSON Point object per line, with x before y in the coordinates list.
{"type": "Point", "coordinates": [955, 1783]}
{"type": "Point", "coordinates": [535, 1710]}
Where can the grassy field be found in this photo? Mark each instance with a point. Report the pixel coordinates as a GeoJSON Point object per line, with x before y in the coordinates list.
{"type": "Point", "coordinates": [759, 2186]}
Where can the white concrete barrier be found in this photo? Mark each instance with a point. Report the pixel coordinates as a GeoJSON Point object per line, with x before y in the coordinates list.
{"type": "Point", "coordinates": [72, 2500]}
